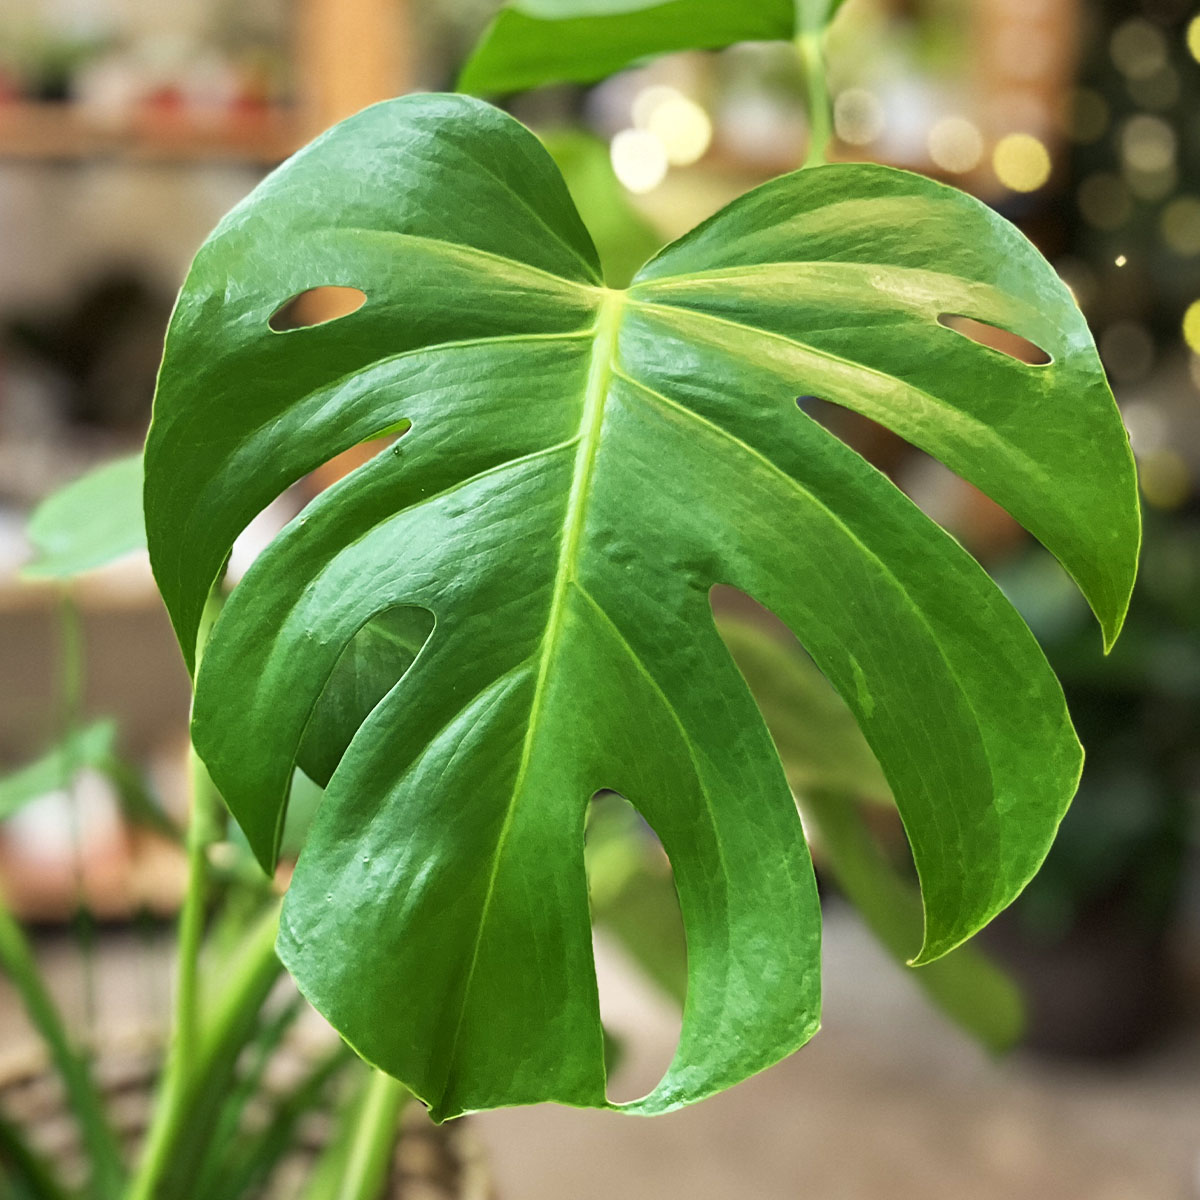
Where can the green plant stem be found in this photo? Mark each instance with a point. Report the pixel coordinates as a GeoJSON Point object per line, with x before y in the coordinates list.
{"type": "Point", "coordinates": [189, 1106]}
{"type": "Point", "coordinates": [71, 700]}
{"type": "Point", "coordinates": [181, 1068]}
{"type": "Point", "coordinates": [253, 1158]}
{"type": "Point", "coordinates": [17, 961]}
{"type": "Point", "coordinates": [810, 46]}
{"type": "Point", "coordinates": [21, 1163]}
{"type": "Point", "coordinates": [374, 1139]}
{"type": "Point", "coordinates": [203, 830]}
{"type": "Point", "coordinates": [360, 1154]}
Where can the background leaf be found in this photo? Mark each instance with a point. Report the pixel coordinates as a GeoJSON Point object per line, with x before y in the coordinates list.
{"type": "Point", "coordinates": [832, 770]}
{"type": "Point", "coordinates": [966, 985]}
{"type": "Point", "coordinates": [623, 238]}
{"type": "Point", "coordinates": [535, 42]}
{"type": "Point", "coordinates": [583, 465]}
{"type": "Point", "coordinates": [91, 746]}
{"type": "Point", "coordinates": [89, 523]}
{"type": "Point", "coordinates": [815, 733]}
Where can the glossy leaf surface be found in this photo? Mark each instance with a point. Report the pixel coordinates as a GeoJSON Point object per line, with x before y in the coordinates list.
{"type": "Point", "coordinates": [582, 466]}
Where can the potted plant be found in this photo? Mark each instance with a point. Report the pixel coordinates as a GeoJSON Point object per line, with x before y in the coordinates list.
{"type": "Point", "coordinates": [507, 610]}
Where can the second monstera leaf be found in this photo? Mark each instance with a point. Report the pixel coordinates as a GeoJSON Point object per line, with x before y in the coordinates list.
{"type": "Point", "coordinates": [581, 465]}
{"type": "Point", "coordinates": [535, 42]}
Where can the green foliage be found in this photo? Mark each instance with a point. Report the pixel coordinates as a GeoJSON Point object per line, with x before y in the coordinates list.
{"type": "Point", "coordinates": [831, 770]}
{"type": "Point", "coordinates": [819, 742]}
{"type": "Point", "coordinates": [89, 747]}
{"type": "Point", "coordinates": [534, 42]}
{"type": "Point", "coordinates": [583, 465]}
{"type": "Point", "coordinates": [71, 1065]}
{"type": "Point", "coordinates": [92, 746]}
{"type": "Point", "coordinates": [967, 986]}
{"type": "Point", "coordinates": [90, 523]}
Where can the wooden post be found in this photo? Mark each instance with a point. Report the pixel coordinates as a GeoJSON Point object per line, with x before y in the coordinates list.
{"type": "Point", "coordinates": [351, 53]}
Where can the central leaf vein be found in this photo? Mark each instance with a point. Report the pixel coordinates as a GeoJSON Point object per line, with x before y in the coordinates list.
{"type": "Point", "coordinates": [591, 422]}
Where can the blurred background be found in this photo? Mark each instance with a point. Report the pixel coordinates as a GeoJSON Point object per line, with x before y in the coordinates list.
{"type": "Point", "coordinates": [128, 127]}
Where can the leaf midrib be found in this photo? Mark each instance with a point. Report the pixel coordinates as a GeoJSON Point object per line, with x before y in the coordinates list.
{"type": "Point", "coordinates": [599, 380]}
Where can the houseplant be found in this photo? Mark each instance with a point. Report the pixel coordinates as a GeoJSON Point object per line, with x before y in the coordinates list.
{"type": "Point", "coordinates": [507, 610]}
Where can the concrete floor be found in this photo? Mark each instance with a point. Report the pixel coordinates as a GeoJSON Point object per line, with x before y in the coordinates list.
{"type": "Point", "coordinates": [886, 1103]}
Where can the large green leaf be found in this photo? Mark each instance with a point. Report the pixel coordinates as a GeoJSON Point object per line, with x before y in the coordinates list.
{"type": "Point", "coordinates": [583, 465]}
{"type": "Point", "coordinates": [91, 522]}
{"type": "Point", "coordinates": [533, 42]}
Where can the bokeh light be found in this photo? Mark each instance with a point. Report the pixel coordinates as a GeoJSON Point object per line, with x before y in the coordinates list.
{"type": "Point", "coordinates": [858, 116]}
{"type": "Point", "coordinates": [1153, 185]}
{"type": "Point", "coordinates": [1158, 91]}
{"type": "Point", "coordinates": [1165, 479]}
{"type": "Point", "coordinates": [1127, 350]}
{"type": "Point", "coordinates": [1138, 48]}
{"type": "Point", "coordinates": [1021, 162]}
{"type": "Point", "coordinates": [1146, 425]}
{"type": "Point", "coordinates": [639, 160]}
{"type": "Point", "coordinates": [1148, 144]}
{"type": "Point", "coordinates": [648, 99]}
{"type": "Point", "coordinates": [1191, 326]}
{"type": "Point", "coordinates": [955, 145]}
{"type": "Point", "coordinates": [1193, 38]}
{"type": "Point", "coordinates": [1180, 223]}
{"type": "Point", "coordinates": [1087, 116]}
{"type": "Point", "coordinates": [683, 127]}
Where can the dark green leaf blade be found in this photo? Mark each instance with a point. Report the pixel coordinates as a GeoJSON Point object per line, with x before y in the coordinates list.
{"type": "Point", "coordinates": [534, 42]}
{"type": "Point", "coordinates": [91, 522]}
{"type": "Point", "coordinates": [583, 465]}
{"type": "Point", "coordinates": [459, 283]}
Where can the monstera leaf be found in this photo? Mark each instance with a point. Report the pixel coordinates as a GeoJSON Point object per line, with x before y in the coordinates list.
{"type": "Point", "coordinates": [534, 42]}
{"type": "Point", "coordinates": [581, 465]}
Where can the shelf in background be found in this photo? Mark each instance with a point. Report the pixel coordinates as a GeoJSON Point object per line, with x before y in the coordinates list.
{"type": "Point", "coordinates": [43, 132]}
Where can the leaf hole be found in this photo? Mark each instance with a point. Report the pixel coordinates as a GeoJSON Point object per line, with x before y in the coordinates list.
{"type": "Point", "coordinates": [638, 945]}
{"type": "Point", "coordinates": [317, 306]}
{"type": "Point", "coordinates": [995, 338]}
{"type": "Point", "coordinates": [353, 457]}
{"type": "Point", "coordinates": [372, 662]}
{"type": "Point", "coordinates": [814, 731]}
{"type": "Point", "coordinates": [875, 442]}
